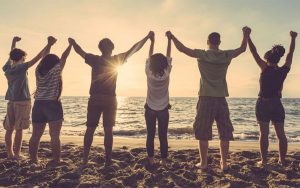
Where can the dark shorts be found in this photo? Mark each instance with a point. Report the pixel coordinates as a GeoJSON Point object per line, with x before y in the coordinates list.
{"type": "Point", "coordinates": [210, 109]}
{"type": "Point", "coordinates": [269, 109]}
{"type": "Point", "coordinates": [98, 105]}
{"type": "Point", "coordinates": [45, 111]}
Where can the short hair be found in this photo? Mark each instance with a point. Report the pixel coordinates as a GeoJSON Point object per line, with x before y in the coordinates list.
{"type": "Point", "coordinates": [17, 54]}
{"type": "Point", "coordinates": [214, 38]}
{"type": "Point", "coordinates": [273, 56]}
{"type": "Point", "coordinates": [158, 64]}
{"type": "Point", "coordinates": [105, 45]}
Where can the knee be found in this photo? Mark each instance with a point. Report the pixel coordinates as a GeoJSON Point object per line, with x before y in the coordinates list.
{"type": "Point", "coordinates": [282, 138]}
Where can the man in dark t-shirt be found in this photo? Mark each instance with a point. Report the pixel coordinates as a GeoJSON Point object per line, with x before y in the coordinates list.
{"type": "Point", "coordinates": [103, 91]}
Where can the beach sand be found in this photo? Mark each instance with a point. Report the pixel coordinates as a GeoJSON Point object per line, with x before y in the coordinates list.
{"type": "Point", "coordinates": [130, 168]}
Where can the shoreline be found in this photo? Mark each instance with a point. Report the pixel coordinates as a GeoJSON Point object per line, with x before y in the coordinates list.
{"type": "Point", "coordinates": [174, 144]}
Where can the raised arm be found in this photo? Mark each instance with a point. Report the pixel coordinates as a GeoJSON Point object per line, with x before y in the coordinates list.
{"type": "Point", "coordinates": [77, 48]}
{"type": "Point", "coordinates": [169, 36]}
{"type": "Point", "coordinates": [261, 63]}
{"type": "Point", "coordinates": [136, 47]}
{"type": "Point", "coordinates": [14, 41]}
{"type": "Point", "coordinates": [152, 39]}
{"type": "Point", "coordinates": [43, 52]}
{"type": "Point", "coordinates": [65, 55]}
{"type": "Point", "coordinates": [242, 48]}
{"type": "Point", "coordinates": [180, 47]}
{"type": "Point", "coordinates": [289, 57]}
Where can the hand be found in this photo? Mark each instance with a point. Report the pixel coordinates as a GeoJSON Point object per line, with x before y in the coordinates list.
{"type": "Point", "coordinates": [169, 35]}
{"type": "Point", "coordinates": [151, 36]}
{"type": "Point", "coordinates": [51, 40]}
{"type": "Point", "coordinates": [16, 39]}
{"type": "Point", "coordinates": [246, 30]}
{"type": "Point", "coordinates": [71, 40]}
{"type": "Point", "coordinates": [293, 34]}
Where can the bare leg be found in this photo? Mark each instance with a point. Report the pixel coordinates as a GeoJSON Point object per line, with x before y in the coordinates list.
{"type": "Point", "coordinates": [282, 142]}
{"type": "Point", "coordinates": [88, 140]}
{"type": "Point", "coordinates": [54, 129]}
{"type": "Point", "coordinates": [203, 149]}
{"type": "Point", "coordinates": [108, 144]}
{"type": "Point", "coordinates": [34, 142]}
{"type": "Point", "coordinates": [224, 149]}
{"type": "Point", "coordinates": [18, 142]}
{"type": "Point", "coordinates": [8, 143]}
{"type": "Point", "coordinates": [264, 141]}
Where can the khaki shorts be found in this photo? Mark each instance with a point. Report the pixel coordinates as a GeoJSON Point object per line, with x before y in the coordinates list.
{"type": "Point", "coordinates": [18, 115]}
{"type": "Point", "coordinates": [101, 104]}
{"type": "Point", "coordinates": [210, 109]}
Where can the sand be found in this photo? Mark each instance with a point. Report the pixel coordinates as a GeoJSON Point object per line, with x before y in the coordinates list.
{"type": "Point", "coordinates": [130, 168]}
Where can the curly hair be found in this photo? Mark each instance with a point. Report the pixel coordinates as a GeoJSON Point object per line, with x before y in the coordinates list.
{"type": "Point", "coordinates": [17, 54]}
{"type": "Point", "coordinates": [273, 56]}
{"type": "Point", "coordinates": [158, 64]}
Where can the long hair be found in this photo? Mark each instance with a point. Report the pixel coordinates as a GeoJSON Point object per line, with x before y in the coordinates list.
{"type": "Point", "coordinates": [158, 64]}
{"type": "Point", "coordinates": [273, 56]}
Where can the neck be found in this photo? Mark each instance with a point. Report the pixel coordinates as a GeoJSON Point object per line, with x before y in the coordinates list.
{"type": "Point", "coordinates": [212, 47]}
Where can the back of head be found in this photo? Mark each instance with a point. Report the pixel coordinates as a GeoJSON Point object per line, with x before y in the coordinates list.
{"type": "Point", "coordinates": [17, 54]}
{"type": "Point", "coordinates": [273, 56]}
{"type": "Point", "coordinates": [106, 46]}
{"type": "Point", "coordinates": [158, 64]}
{"type": "Point", "coordinates": [214, 38]}
{"type": "Point", "coordinates": [47, 63]}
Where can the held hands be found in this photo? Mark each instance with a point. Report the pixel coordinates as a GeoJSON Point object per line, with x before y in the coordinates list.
{"type": "Point", "coordinates": [293, 34]}
{"type": "Point", "coordinates": [246, 30]}
{"type": "Point", "coordinates": [51, 40]}
{"type": "Point", "coordinates": [151, 36]}
{"type": "Point", "coordinates": [169, 35]}
{"type": "Point", "coordinates": [71, 41]}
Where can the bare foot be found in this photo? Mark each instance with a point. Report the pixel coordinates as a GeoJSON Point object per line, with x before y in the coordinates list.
{"type": "Point", "coordinates": [151, 161]}
{"type": "Point", "coordinates": [262, 163]}
{"type": "Point", "coordinates": [224, 166]}
{"type": "Point", "coordinates": [201, 166]}
{"type": "Point", "coordinates": [163, 162]}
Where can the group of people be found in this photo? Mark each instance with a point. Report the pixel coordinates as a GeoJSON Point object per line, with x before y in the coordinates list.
{"type": "Point", "coordinates": [212, 106]}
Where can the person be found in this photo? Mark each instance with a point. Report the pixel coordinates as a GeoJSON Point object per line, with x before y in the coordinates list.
{"type": "Point", "coordinates": [103, 91]}
{"type": "Point", "coordinates": [213, 64]}
{"type": "Point", "coordinates": [158, 68]}
{"type": "Point", "coordinates": [18, 95]}
{"type": "Point", "coordinates": [47, 107]}
{"type": "Point", "coordinates": [268, 106]}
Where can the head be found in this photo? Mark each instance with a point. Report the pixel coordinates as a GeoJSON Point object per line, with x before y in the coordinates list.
{"type": "Point", "coordinates": [214, 39]}
{"type": "Point", "coordinates": [47, 63]}
{"type": "Point", "coordinates": [158, 64]}
{"type": "Point", "coordinates": [273, 56]}
{"type": "Point", "coordinates": [106, 46]}
{"type": "Point", "coordinates": [17, 55]}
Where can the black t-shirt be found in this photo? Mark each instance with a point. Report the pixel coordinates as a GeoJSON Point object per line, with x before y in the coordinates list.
{"type": "Point", "coordinates": [271, 81]}
{"type": "Point", "coordinates": [104, 73]}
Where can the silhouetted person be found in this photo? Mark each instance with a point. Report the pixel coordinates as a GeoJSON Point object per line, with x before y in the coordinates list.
{"type": "Point", "coordinates": [212, 105]}
{"type": "Point", "coordinates": [103, 91]}
{"type": "Point", "coordinates": [158, 69]}
{"type": "Point", "coordinates": [18, 96]}
{"type": "Point", "coordinates": [47, 107]}
{"type": "Point", "coordinates": [268, 106]}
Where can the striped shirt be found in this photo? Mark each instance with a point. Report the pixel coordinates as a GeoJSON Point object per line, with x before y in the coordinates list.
{"type": "Point", "coordinates": [49, 86]}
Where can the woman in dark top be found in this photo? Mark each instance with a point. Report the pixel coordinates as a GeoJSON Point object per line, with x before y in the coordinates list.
{"type": "Point", "coordinates": [269, 106]}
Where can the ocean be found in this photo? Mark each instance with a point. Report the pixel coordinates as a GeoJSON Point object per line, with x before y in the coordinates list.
{"type": "Point", "coordinates": [130, 120]}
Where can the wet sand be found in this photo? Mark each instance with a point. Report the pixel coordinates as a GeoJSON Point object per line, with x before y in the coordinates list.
{"type": "Point", "coordinates": [130, 167]}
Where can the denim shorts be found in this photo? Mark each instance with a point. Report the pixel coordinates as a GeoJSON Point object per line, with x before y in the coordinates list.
{"type": "Point", "coordinates": [45, 111]}
{"type": "Point", "coordinates": [269, 109]}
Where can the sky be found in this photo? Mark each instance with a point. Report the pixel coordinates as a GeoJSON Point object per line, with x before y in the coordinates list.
{"type": "Point", "coordinates": [127, 21]}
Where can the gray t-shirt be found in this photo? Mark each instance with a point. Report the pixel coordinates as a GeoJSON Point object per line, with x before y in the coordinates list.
{"type": "Point", "coordinates": [16, 76]}
{"type": "Point", "coordinates": [213, 66]}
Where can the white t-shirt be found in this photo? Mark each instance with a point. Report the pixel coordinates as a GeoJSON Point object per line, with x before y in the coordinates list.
{"type": "Point", "coordinates": [158, 87]}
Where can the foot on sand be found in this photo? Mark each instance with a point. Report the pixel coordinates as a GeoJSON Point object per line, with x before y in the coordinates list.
{"type": "Point", "coordinates": [224, 166]}
{"type": "Point", "coordinates": [163, 162]}
{"type": "Point", "coordinates": [53, 163]}
{"type": "Point", "coordinates": [201, 167]}
{"type": "Point", "coordinates": [262, 163]}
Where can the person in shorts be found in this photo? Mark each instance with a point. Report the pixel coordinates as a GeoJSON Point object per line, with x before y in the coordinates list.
{"type": "Point", "coordinates": [47, 107]}
{"type": "Point", "coordinates": [268, 106]}
{"type": "Point", "coordinates": [18, 96]}
{"type": "Point", "coordinates": [212, 106]}
{"type": "Point", "coordinates": [103, 91]}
